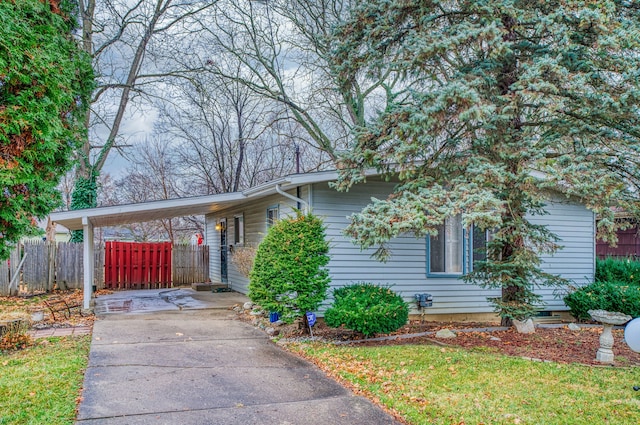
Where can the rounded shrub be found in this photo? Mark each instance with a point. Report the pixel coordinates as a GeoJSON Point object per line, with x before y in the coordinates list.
{"type": "Point", "coordinates": [289, 274]}
{"type": "Point", "coordinates": [367, 308]}
{"type": "Point", "coordinates": [623, 270]}
{"type": "Point", "coordinates": [610, 296]}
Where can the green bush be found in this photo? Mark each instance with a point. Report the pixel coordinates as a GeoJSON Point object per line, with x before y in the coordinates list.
{"type": "Point", "coordinates": [368, 309]}
{"type": "Point", "coordinates": [289, 274]}
{"type": "Point", "coordinates": [618, 270]}
{"type": "Point", "coordinates": [610, 296]}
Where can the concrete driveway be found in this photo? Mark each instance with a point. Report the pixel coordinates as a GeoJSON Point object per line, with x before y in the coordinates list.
{"type": "Point", "coordinates": [195, 364]}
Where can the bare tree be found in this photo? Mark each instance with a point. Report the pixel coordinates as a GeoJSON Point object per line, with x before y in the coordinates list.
{"type": "Point", "coordinates": [125, 39]}
{"type": "Point", "coordinates": [154, 174]}
{"type": "Point", "coordinates": [224, 134]}
{"type": "Point", "coordinates": [282, 46]}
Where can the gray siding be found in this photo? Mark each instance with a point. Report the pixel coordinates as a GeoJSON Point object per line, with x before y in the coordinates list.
{"type": "Point", "coordinates": [575, 225]}
{"type": "Point", "coordinates": [255, 227]}
{"type": "Point", "coordinates": [406, 270]}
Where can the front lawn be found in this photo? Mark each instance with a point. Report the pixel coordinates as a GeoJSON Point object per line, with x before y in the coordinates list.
{"type": "Point", "coordinates": [41, 384]}
{"type": "Point", "coordinates": [427, 384]}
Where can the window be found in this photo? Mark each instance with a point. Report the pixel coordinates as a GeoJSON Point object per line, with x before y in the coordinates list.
{"type": "Point", "coordinates": [479, 244]}
{"type": "Point", "coordinates": [238, 229]}
{"type": "Point", "coordinates": [273, 214]}
{"type": "Point", "coordinates": [452, 252]}
{"type": "Point", "coordinates": [446, 248]}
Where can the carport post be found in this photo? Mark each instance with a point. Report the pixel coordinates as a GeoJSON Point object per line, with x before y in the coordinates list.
{"type": "Point", "coordinates": [87, 260]}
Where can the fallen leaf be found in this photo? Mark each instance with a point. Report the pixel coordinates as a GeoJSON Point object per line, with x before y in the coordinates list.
{"type": "Point", "coordinates": [179, 334]}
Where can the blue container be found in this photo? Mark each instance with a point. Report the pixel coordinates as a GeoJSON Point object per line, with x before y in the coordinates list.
{"type": "Point", "coordinates": [274, 317]}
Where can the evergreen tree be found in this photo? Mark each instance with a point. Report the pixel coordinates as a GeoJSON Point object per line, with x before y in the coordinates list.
{"type": "Point", "coordinates": [503, 104]}
{"type": "Point", "coordinates": [289, 274]}
{"type": "Point", "coordinates": [45, 84]}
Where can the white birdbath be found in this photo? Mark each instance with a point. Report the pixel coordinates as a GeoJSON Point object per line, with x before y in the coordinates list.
{"type": "Point", "coordinates": [609, 320]}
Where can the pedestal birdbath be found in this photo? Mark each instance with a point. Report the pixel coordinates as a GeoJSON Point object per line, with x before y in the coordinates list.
{"type": "Point", "coordinates": [609, 320]}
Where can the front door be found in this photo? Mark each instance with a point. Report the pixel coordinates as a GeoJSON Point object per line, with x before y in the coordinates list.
{"type": "Point", "coordinates": [223, 251]}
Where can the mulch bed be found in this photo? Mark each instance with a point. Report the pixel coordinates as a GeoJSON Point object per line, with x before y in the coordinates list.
{"type": "Point", "coordinates": [560, 345]}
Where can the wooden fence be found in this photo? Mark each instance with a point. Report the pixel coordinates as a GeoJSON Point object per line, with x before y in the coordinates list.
{"type": "Point", "coordinates": [47, 266]}
{"type": "Point", "coordinates": [190, 264]}
{"type": "Point", "coordinates": [137, 265]}
{"type": "Point", "coordinates": [628, 245]}
{"type": "Point", "coordinates": [8, 271]}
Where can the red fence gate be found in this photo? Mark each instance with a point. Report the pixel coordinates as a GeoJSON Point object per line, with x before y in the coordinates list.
{"type": "Point", "coordinates": [135, 265]}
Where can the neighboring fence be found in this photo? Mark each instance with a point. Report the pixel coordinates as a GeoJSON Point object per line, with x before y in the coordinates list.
{"type": "Point", "coordinates": [190, 264]}
{"type": "Point", "coordinates": [69, 265]}
{"type": "Point", "coordinates": [628, 245]}
{"type": "Point", "coordinates": [48, 266]}
{"type": "Point", "coordinates": [39, 266]}
{"type": "Point", "coordinates": [8, 270]}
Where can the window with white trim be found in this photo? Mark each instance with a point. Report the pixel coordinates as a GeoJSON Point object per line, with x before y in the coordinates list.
{"type": "Point", "coordinates": [452, 252]}
{"type": "Point", "coordinates": [273, 214]}
{"type": "Point", "coordinates": [446, 248]}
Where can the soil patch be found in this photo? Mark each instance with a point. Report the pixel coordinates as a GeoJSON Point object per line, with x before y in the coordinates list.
{"type": "Point", "coordinates": [555, 344]}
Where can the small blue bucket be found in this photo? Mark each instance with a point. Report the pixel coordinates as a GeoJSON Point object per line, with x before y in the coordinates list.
{"type": "Point", "coordinates": [274, 317]}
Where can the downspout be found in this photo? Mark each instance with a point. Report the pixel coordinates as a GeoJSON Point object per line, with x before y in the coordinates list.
{"type": "Point", "coordinates": [293, 198]}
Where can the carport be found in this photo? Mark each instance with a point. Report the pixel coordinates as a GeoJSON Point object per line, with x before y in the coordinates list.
{"type": "Point", "coordinates": [90, 218]}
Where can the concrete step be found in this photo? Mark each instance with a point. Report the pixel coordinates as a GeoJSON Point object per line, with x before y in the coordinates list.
{"type": "Point", "coordinates": [210, 286]}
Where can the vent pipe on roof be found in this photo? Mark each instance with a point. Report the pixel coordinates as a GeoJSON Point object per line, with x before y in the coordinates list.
{"type": "Point", "coordinates": [305, 208]}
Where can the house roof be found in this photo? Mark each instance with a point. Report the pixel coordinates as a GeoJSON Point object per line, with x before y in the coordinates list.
{"type": "Point", "coordinates": [198, 205]}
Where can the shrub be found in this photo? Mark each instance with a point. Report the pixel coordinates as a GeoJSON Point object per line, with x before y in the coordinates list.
{"type": "Point", "coordinates": [618, 270]}
{"type": "Point", "coordinates": [367, 308]}
{"type": "Point", "coordinates": [14, 336]}
{"type": "Point", "coordinates": [243, 259]}
{"type": "Point", "coordinates": [610, 296]}
{"type": "Point", "coordinates": [289, 274]}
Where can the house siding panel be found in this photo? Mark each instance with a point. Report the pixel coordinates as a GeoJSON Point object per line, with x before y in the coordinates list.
{"type": "Point", "coordinates": [406, 270]}
{"type": "Point", "coordinates": [255, 227]}
{"type": "Point", "coordinates": [575, 226]}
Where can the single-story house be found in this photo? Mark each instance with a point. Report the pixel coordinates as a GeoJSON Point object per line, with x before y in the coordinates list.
{"type": "Point", "coordinates": [417, 265]}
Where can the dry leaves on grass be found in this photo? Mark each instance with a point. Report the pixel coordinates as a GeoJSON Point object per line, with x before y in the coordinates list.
{"type": "Point", "coordinates": [25, 306]}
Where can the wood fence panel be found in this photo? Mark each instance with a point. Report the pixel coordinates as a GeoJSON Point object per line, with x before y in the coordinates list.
{"type": "Point", "coordinates": [8, 269]}
{"type": "Point", "coordinates": [98, 269]}
{"type": "Point", "coordinates": [190, 264]}
{"type": "Point", "coordinates": [69, 265]}
{"type": "Point", "coordinates": [131, 265]}
{"type": "Point", "coordinates": [35, 271]}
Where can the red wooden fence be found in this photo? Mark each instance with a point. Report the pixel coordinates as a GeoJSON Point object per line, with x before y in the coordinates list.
{"type": "Point", "coordinates": [134, 265]}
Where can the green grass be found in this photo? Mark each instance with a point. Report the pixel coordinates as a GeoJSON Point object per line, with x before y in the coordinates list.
{"type": "Point", "coordinates": [433, 385]}
{"type": "Point", "coordinates": [40, 385]}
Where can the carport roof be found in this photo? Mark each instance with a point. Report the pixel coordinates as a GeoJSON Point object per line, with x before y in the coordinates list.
{"type": "Point", "coordinates": [197, 205]}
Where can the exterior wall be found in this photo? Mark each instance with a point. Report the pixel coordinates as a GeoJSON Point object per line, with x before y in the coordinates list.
{"type": "Point", "coordinates": [255, 227]}
{"type": "Point", "coordinates": [575, 226]}
{"type": "Point", "coordinates": [406, 269]}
